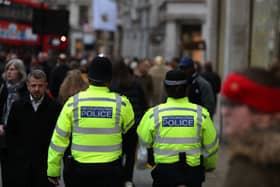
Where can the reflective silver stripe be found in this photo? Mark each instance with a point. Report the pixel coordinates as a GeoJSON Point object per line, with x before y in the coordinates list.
{"type": "Point", "coordinates": [96, 99]}
{"type": "Point", "coordinates": [211, 154]}
{"type": "Point", "coordinates": [95, 130]}
{"type": "Point", "coordinates": [175, 83]}
{"type": "Point", "coordinates": [61, 132]}
{"type": "Point", "coordinates": [208, 147]}
{"type": "Point", "coordinates": [176, 152]}
{"type": "Point", "coordinates": [143, 143]}
{"type": "Point", "coordinates": [157, 124]}
{"type": "Point", "coordinates": [118, 112]}
{"type": "Point", "coordinates": [174, 108]}
{"type": "Point", "coordinates": [156, 119]}
{"type": "Point", "coordinates": [90, 148]}
{"type": "Point", "coordinates": [75, 110]}
{"type": "Point", "coordinates": [199, 122]}
{"type": "Point", "coordinates": [178, 140]}
{"type": "Point", "coordinates": [57, 148]}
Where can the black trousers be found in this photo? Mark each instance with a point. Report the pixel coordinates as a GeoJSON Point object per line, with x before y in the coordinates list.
{"type": "Point", "coordinates": [172, 175]}
{"type": "Point", "coordinates": [28, 173]}
{"type": "Point", "coordinates": [130, 140]}
{"type": "Point", "coordinates": [90, 175]}
{"type": "Point", "coordinates": [4, 166]}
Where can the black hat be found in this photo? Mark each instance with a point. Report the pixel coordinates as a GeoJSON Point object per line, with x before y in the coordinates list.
{"type": "Point", "coordinates": [100, 70]}
{"type": "Point", "coordinates": [175, 78]}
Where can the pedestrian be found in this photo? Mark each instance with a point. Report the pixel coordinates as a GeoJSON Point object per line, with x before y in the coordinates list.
{"type": "Point", "coordinates": [182, 136]}
{"type": "Point", "coordinates": [96, 119]}
{"type": "Point", "coordinates": [200, 91]}
{"type": "Point", "coordinates": [12, 89]}
{"type": "Point", "coordinates": [142, 74]}
{"type": "Point", "coordinates": [125, 83]}
{"type": "Point", "coordinates": [58, 74]}
{"type": "Point", "coordinates": [30, 125]}
{"type": "Point", "coordinates": [43, 61]}
{"type": "Point", "coordinates": [213, 78]}
{"type": "Point", "coordinates": [251, 115]}
{"type": "Point", "coordinates": [72, 84]}
{"type": "Point", "coordinates": [157, 72]}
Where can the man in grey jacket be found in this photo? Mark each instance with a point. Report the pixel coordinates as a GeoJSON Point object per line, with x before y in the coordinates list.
{"type": "Point", "coordinates": [199, 90]}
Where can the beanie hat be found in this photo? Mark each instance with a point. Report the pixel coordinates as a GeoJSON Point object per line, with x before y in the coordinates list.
{"type": "Point", "coordinates": [240, 89]}
{"type": "Point", "coordinates": [186, 62]}
{"type": "Point", "coordinates": [175, 78]}
{"type": "Point", "coordinates": [100, 70]}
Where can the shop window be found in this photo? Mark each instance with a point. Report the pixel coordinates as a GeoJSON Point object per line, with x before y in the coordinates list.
{"type": "Point", "coordinates": [265, 32]}
{"type": "Point", "coordinates": [83, 14]}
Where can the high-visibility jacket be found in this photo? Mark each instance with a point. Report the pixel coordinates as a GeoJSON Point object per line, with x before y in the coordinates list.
{"type": "Point", "coordinates": [179, 126]}
{"type": "Point", "coordinates": [96, 118]}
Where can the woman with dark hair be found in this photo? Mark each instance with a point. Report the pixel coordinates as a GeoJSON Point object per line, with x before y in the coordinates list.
{"type": "Point", "coordinates": [12, 89]}
{"type": "Point", "coordinates": [251, 114]}
{"type": "Point", "coordinates": [125, 83]}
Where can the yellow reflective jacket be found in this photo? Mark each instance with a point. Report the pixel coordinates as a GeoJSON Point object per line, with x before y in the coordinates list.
{"type": "Point", "coordinates": [96, 118]}
{"type": "Point", "coordinates": [179, 126]}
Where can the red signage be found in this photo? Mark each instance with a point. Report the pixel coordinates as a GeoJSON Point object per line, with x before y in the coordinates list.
{"type": "Point", "coordinates": [16, 33]}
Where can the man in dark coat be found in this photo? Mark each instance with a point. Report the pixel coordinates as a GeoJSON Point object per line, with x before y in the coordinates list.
{"type": "Point", "coordinates": [29, 130]}
{"type": "Point", "coordinates": [58, 74]}
{"type": "Point", "coordinates": [199, 90]}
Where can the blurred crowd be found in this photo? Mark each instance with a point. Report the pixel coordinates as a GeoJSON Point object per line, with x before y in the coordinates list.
{"type": "Point", "coordinates": [148, 72]}
{"type": "Point", "coordinates": [140, 80]}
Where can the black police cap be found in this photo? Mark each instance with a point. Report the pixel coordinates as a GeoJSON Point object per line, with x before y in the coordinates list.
{"type": "Point", "coordinates": [100, 70]}
{"type": "Point", "coordinates": [175, 78]}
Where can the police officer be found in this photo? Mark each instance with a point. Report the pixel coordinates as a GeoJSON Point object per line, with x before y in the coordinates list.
{"type": "Point", "coordinates": [96, 119]}
{"type": "Point", "coordinates": [182, 135]}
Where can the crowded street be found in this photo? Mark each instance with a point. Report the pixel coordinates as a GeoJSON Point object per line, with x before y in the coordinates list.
{"type": "Point", "coordinates": [150, 93]}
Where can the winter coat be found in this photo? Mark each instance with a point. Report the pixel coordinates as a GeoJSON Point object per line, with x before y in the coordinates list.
{"type": "Point", "coordinates": [157, 72]}
{"type": "Point", "coordinates": [255, 161]}
{"type": "Point", "coordinates": [29, 132]}
{"type": "Point", "coordinates": [28, 137]}
{"type": "Point", "coordinates": [3, 99]}
{"type": "Point", "coordinates": [56, 78]}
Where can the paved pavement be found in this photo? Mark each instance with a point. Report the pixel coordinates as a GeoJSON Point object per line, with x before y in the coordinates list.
{"type": "Point", "coordinates": [142, 178]}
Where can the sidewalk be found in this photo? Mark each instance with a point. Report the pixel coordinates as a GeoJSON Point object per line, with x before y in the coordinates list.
{"type": "Point", "coordinates": [142, 178]}
{"type": "Point", "coordinates": [216, 178]}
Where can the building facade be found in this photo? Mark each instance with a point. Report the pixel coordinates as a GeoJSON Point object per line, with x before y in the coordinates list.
{"type": "Point", "coordinates": [230, 34]}
{"type": "Point", "coordinates": [247, 34]}
{"type": "Point", "coordinates": [170, 28]}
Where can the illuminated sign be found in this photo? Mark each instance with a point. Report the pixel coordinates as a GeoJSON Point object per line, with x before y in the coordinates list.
{"type": "Point", "coordinates": [17, 32]}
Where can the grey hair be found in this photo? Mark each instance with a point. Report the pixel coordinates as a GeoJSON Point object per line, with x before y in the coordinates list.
{"type": "Point", "coordinates": [37, 74]}
{"type": "Point", "coordinates": [19, 65]}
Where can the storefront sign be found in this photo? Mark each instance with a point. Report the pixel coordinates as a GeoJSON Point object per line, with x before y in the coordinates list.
{"type": "Point", "coordinates": [16, 32]}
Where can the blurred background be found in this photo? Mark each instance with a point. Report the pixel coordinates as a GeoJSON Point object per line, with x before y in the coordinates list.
{"type": "Point", "coordinates": [228, 33]}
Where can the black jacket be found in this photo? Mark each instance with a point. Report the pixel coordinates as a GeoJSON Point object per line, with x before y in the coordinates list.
{"type": "Point", "coordinates": [56, 78]}
{"type": "Point", "coordinates": [28, 138]}
{"type": "Point", "coordinates": [29, 132]}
